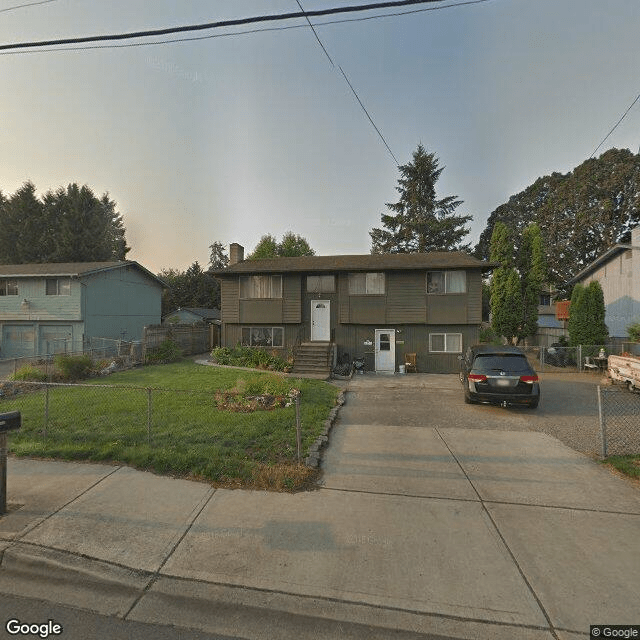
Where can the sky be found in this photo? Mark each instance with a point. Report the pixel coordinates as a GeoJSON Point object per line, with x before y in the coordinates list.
{"type": "Point", "coordinates": [231, 137]}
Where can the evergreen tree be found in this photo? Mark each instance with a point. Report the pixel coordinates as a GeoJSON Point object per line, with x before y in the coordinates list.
{"type": "Point", "coordinates": [532, 270]}
{"type": "Point", "coordinates": [420, 222]}
{"type": "Point", "coordinates": [587, 317]}
{"type": "Point", "coordinates": [191, 288]}
{"type": "Point", "coordinates": [68, 225]}
{"type": "Point", "coordinates": [218, 258]}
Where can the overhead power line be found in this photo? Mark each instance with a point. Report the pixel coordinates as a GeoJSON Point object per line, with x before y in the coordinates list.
{"type": "Point", "coordinates": [615, 126]}
{"type": "Point", "coordinates": [28, 4]}
{"type": "Point", "coordinates": [215, 25]}
{"type": "Point", "coordinates": [344, 75]}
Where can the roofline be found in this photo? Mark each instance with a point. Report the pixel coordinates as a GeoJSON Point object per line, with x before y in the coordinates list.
{"type": "Point", "coordinates": [599, 261]}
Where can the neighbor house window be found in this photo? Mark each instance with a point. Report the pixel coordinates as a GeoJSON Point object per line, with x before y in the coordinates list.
{"type": "Point", "coordinates": [446, 281]}
{"type": "Point", "coordinates": [366, 284]}
{"type": "Point", "coordinates": [545, 299]}
{"type": "Point", "coordinates": [58, 286]}
{"type": "Point", "coordinates": [445, 342]}
{"type": "Point", "coordinates": [262, 337]}
{"type": "Point", "coordinates": [8, 287]}
{"type": "Point", "coordinates": [261, 287]}
{"type": "Point", "coordinates": [321, 284]}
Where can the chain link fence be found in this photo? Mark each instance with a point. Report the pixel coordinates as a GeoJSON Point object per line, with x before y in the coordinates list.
{"type": "Point", "coordinates": [583, 358]}
{"type": "Point", "coordinates": [619, 413]}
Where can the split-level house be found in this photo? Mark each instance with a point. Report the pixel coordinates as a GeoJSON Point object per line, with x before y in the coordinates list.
{"type": "Point", "coordinates": [58, 307]}
{"type": "Point", "coordinates": [378, 307]}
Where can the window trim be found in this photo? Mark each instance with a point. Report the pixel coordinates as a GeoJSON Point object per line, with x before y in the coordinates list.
{"type": "Point", "coordinates": [261, 275]}
{"type": "Point", "coordinates": [365, 274]}
{"type": "Point", "coordinates": [446, 291]}
{"type": "Point", "coordinates": [59, 289]}
{"type": "Point", "coordinates": [10, 287]}
{"type": "Point", "coordinates": [250, 328]}
{"type": "Point", "coordinates": [446, 336]}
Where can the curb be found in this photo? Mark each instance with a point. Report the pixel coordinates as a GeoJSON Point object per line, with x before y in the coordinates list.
{"type": "Point", "coordinates": [315, 450]}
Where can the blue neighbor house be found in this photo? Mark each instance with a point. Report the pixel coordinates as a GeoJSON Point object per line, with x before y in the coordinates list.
{"type": "Point", "coordinates": [59, 307]}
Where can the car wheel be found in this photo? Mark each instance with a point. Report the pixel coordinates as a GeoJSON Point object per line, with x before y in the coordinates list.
{"type": "Point", "coordinates": [467, 398]}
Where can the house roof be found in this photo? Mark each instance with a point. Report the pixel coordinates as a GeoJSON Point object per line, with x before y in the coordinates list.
{"type": "Point", "coordinates": [607, 256]}
{"type": "Point", "coordinates": [70, 269]}
{"type": "Point", "coordinates": [207, 314]}
{"type": "Point", "coordinates": [368, 262]}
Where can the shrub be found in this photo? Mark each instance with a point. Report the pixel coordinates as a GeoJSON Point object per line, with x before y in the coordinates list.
{"type": "Point", "coordinates": [167, 351]}
{"type": "Point", "coordinates": [73, 367]}
{"type": "Point", "coordinates": [252, 357]}
{"type": "Point", "coordinates": [29, 372]}
{"type": "Point", "coordinates": [634, 331]}
{"type": "Point", "coordinates": [489, 336]}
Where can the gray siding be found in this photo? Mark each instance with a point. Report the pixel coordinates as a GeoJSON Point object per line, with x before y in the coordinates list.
{"type": "Point", "coordinates": [292, 298]}
{"type": "Point", "coordinates": [406, 297]}
{"type": "Point", "coordinates": [263, 311]}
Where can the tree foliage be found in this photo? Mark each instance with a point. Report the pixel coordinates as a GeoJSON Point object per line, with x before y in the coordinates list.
{"type": "Point", "coordinates": [218, 258]}
{"type": "Point", "coordinates": [67, 225]}
{"type": "Point", "coordinates": [191, 288]}
{"type": "Point", "coordinates": [516, 284]}
{"type": "Point", "coordinates": [420, 222]}
{"type": "Point", "coordinates": [587, 316]}
{"type": "Point", "coordinates": [291, 245]}
{"type": "Point", "coordinates": [581, 214]}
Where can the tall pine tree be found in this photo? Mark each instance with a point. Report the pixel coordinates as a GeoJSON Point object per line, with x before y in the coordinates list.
{"type": "Point", "coordinates": [420, 223]}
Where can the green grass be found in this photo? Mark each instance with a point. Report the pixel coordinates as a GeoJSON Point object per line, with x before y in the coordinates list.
{"type": "Point", "coordinates": [188, 436]}
{"type": "Point", "coordinates": [629, 465]}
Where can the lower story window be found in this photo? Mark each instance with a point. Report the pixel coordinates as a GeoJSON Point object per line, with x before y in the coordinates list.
{"type": "Point", "coordinates": [445, 342]}
{"type": "Point", "coordinates": [262, 337]}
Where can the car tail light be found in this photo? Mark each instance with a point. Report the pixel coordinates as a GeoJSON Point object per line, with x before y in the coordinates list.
{"type": "Point", "coordinates": [477, 377]}
{"type": "Point", "coordinates": [529, 379]}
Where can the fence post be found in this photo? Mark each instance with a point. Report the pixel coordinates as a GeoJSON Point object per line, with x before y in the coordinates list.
{"type": "Point", "coordinates": [603, 425]}
{"type": "Point", "coordinates": [46, 411]}
{"type": "Point", "coordinates": [149, 416]}
{"type": "Point", "coordinates": [298, 428]}
{"type": "Point", "coordinates": [579, 358]}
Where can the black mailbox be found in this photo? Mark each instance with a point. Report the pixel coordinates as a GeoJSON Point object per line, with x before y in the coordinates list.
{"type": "Point", "coordinates": [10, 421]}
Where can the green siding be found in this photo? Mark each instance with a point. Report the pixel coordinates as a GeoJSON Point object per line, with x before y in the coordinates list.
{"type": "Point", "coordinates": [292, 298]}
{"type": "Point", "coordinates": [406, 297]}
{"type": "Point", "coordinates": [447, 309]}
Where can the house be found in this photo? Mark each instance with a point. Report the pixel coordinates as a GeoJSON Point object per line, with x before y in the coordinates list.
{"type": "Point", "coordinates": [379, 307]}
{"type": "Point", "coordinates": [618, 272]}
{"type": "Point", "coordinates": [51, 308]}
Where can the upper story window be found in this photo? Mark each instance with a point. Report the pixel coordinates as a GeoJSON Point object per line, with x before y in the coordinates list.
{"type": "Point", "coordinates": [8, 287]}
{"type": "Point", "coordinates": [321, 284]}
{"type": "Point", "coordinates": [446, 282]}
{"type": "Point", "coordinates": [545, 299]}
{"type": "Point", "coordinates": [58, 286]}
{"type": "Point", "coordinates": [366, 284]}
{"type": "Point", "coordinates": [261, 287]}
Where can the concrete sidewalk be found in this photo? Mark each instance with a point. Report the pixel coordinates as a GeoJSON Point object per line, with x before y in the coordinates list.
{"type": "Point", "coordinates": [446, 532]}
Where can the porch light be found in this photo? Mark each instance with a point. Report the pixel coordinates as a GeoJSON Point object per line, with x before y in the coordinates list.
{"type": "Point", "coordinates": [25, 304]}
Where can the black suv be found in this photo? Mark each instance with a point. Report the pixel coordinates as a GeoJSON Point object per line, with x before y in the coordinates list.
{"type": "Point", "coordinates": [499, 375]}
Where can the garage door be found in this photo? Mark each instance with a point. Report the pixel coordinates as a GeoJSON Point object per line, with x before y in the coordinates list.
{"type": "Point", "coordinates": [55, 338]}
{"type": "Point", "coordinates": [18, 340]}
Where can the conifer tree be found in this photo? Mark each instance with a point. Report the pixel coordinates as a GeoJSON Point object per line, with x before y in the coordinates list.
{"type": "Point", "coordinates": [420, 223]}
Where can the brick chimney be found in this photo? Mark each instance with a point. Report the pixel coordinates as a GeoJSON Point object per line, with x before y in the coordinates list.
{"type": "Point", "coordinates": [236, 253]}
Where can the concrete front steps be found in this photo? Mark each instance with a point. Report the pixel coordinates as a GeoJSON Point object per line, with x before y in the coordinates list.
{"type": "Point", "coordinates": [313, 358]}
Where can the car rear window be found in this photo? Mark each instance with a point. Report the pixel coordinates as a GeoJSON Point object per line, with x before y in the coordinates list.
{"type": "Point", "coordinates": [513, 363]}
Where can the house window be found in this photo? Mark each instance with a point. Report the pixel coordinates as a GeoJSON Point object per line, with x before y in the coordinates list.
{"type": "Point", "coordinates": [8, 287]}
{"type": "Point", "coordinates": [321, 284]}
{"type": "Point", "coordinates": [261, 287]}
{"type": "Point", "coordinates": [366, 284]}
{"type": "Point", "coordinates": [545, 299]}
{"type": "Point", "coordinates": [58, 286]}
{"type": "Point", "coordinates": [446, 282]}
{"type": "Point", "coordinates": [445, 342]}
{"type": "Point", "coordinates": [262, 337]}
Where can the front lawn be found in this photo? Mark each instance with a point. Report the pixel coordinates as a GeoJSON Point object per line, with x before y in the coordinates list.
{"type": "Point", "coordinates": [168, 419]}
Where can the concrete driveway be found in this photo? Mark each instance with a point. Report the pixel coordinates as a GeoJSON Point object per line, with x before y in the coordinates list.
{"type": "Point", "coordinates": [490, 518]}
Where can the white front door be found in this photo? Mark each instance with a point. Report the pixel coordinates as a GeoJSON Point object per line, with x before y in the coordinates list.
{"type": "Point", "coordinates": [320, 320]}
{"type": "Point", "coordinates": [386, 350]}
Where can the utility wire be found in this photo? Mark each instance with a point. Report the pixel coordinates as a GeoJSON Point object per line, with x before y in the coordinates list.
{"type": "Point", "coordinates": [245, 32]}
{"type": "Point", "coordinates": [615, 126]}
{"type": "Point", "coordinates": [344, 75]}
{"type": "Point", "coordinates": [29, 4]}
{"type": "Point", "coordinates": [215, 25]}
{"type": "Point", "coordinates": [326, 53]}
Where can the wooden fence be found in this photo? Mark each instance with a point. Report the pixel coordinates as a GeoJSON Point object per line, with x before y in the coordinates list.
{"type": "Point", "coordinates": [191, 338]}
